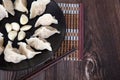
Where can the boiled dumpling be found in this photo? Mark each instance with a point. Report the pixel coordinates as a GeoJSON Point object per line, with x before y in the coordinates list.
{"type": "Point", "coordinates": [21, 5]}
{"type": "Point", "coordinates": [12, 54]}
{"type": "Point", "coordinates": [36, 9]}
{"type": "Point", "coordinates": [9, 6]}
{"type": "Point", "coordinates": [1, 43]}
{"type": "Point", "coordinates": [45, 2]}
{"type": "Point", "coordinates": [3, 12]}
{"type": "Point", "coordinates": [27, 50]}
{"type": "Point", "coordinates": [46, 19]}
{"type": "Point", "coordinates": [45, 31]}
{"type": "Point", "coordinates": [39, 44]}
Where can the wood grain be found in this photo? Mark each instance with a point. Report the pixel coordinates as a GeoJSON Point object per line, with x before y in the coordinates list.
{"type": "Point", "coordinates": [101, 59]}
{"type": "Point", "coordinates": [102, 36]}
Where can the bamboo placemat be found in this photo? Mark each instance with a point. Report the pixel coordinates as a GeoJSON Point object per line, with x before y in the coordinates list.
{"type": "Point", "coordinates": [74, 33]}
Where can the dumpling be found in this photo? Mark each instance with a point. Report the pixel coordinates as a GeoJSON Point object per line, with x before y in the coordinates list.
{"type": "Point", "coordinates": [21, 5]}
{"type": "Point", "coordinates": [27, 50]}
{"type": "Point", "coordinates": [9, 6]}
{"type": "Point", "coordinates": [1, 43]}
{"type": "Point", "coordinates": [39, 44]}
{"type": "Point", "coordinates": [12, 54]}
{"type": "Point", "coordinates": [36, 9]}
{"type": "Point", "coordinates": [46, 19]}
{"type": "Point", "coordinates": [45, 31]}
{"type": "Point", "coordinates": [45, 2]}
{"type": "Point", "coordinates": [3, 12]}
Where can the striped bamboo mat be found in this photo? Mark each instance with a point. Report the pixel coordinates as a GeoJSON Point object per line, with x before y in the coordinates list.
{"type": "Point", "coordinates": [74, 33]}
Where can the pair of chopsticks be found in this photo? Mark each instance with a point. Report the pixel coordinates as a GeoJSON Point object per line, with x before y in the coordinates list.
{"type": "Point", "coordinates": [46, 66]}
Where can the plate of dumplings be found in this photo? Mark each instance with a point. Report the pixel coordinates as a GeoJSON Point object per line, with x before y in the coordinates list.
{"type": "Point", "coordinates": [31, 31]}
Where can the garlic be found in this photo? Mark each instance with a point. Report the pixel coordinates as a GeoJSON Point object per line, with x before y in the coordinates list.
{"type": "Point", "coordinates": [21, 35]}
{"type": "Point", "coordinates": [15, 26]}
{"type": "Point", "coordinates": [26, 28]}
{"type": "Point", "coordinates": [12, 35]}
{"type": "Point", "coordinates": [23, 19]}
{"type": "Point", "coordinates": [8, 27]}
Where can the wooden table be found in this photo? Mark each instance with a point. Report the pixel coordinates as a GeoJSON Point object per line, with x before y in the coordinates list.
{"type": "Point", "coordinates": [101, 59]}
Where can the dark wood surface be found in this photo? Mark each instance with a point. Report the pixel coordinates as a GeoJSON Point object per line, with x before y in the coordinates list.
{"type": "Point", "coordinates": [101, 59]}
{"type": "Point", "coordinates": [102, 39]}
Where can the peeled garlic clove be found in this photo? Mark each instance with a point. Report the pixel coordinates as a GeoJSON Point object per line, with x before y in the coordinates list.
{"type": "Point", "coordinates": [8, 27]}
{"type": "Point", "coordinates": [23, 19]}
{"type": "Point", "coordinates": [26, 28]}
{"type": "Point", "coordinates": [12, 35]}
{"type": "Point", "coordinates": [21, 35]}
{"type": "Point", "coordinates": [15, 26]}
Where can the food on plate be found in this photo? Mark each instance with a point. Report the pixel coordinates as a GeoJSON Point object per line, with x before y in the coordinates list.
{"type": "Point", "coordinates": [45, 31]}
{"type": "Point", "coordinates": [39, 44]}
{"type": "Point", "coordinates": [21, 35]}
{"type": "Point", "coordinates": [3, 12]}
{"type": "Point", "coordinates": [36, 9]}
{"type": "Point", "coordinates": [26, 27]}
{"type": "Point", "coordinates": [15, 26]}
{"type": "Point", "coordinates": [8, 27]}
{"type": "Point", "coordinates": [12, 54]}
{"type": "Point", "coordinates": [20, 26]}
{"type": "Point", "coordinates": [1, 43]}
{"type": "Point", "coordinates": [9, 6]}
{"type": "Point", "coordinates": [23, 19]}
{"type": "Point", "coordinates": [46, 19]}
{"type": "Point", "coordinates": [21, 5]}
{"type": "Point", "coordinates": [27, 50]}
{"type": "Point", "coordinates": [12, 35]}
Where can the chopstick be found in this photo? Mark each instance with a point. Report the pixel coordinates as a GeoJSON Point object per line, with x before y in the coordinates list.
{"type": "Point", "coordinates": [46, 66]}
